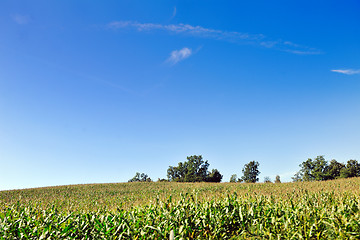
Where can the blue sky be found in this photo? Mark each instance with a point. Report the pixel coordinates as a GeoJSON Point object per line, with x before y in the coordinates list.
{"type": "Point", "coordinates": [95, 91]}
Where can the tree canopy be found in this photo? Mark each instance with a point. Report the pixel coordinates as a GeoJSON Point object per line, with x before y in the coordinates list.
{"type": "Point", "coordinates": [195, 169]}
{"type": "Point", "coordinates": [319, 169]}
{"type": "Point", "coordinates": [140, 178]}
{"type": "Point", "coordinates": [267, 179]}
{"type": "Point", "coordinates": [251, 172]}
{"type": "Point", "coordinates": [233, 178]}
{"type": "Point", "coordinates": [277, 179]}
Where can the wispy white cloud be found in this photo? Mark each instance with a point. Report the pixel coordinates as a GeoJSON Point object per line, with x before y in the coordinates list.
{"type": "Point", "coordinates": [20, 19]}
{"type": "Point", "coordinates": [231, 36]}
{"type": "Point", "coordinates": [309, 51]}
{"type": "Point", "coordinates": [179, 55]}
{"type": "Point", "coordinates": [174, 13]}
{"type": "Point", "coordinates": [347, 71]}
{"type": "Point", "coordinates": [185, 29]}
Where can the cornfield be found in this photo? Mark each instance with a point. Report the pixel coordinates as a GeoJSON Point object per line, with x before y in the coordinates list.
{"type": "Point", "coordinates": [317, 210]}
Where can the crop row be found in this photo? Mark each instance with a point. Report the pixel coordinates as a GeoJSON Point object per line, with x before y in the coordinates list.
{"type": "Point", "coordinates": [312, 216]}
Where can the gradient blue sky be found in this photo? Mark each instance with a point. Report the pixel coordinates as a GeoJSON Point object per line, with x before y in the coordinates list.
{"type": "Point", "coordinates": [94, 91]}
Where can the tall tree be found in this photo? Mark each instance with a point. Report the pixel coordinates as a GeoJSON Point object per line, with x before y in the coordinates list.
{"type": "Point", "coordinates": [320, 168]}
{"type": "Point", "coordinates": [307, 170]}
{"type": "Point", "coordinates": [277, 179]}
{"type": "Point", "coordinates": [313, 170]}
{"type": "Point", "coordinates": [251, 172]}
{"type": "Point", "coordinates": [196, 169]}
{"type": "Point", "coordinates": [233, 178]}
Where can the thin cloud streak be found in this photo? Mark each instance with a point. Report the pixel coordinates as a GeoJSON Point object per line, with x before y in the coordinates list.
{"type": "Point", "coordinates": [347, 71]}
{"type": "Point", "coordinates": [174, 13]}
{"type": "Point", "coordinates": [185, 29]}
{"type": "Point", "coordinates": [179, 55]}
{"type": "Point", "coordinates": [230, 36]}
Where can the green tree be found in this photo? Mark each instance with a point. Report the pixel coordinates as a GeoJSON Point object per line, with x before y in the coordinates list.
{"type": "Point", "coordinates": [267, 179]}
{"type": "Point", "coordinates": [352, 169]}
{"type": "Point", "coordinates": [250, 172]}
{"type": "Point", "coordinates": [195, 169]}
{"type": "Point", "coordinates": [140, 178]}
{"type": "Point", "coordinates": [297, 177]}
{"type": "Point", "coordinates": [334, 169]}
{"type": "Point", "coordinates": [345, 173]}
{"type": "Point", "coordinates": [233, 178]}
{"type": "Point", "coordinates": [313, 170]}
{"type": "Point", "coordinates": [277, 179]}
{"type": "Point", "coordinates": [320, 169]}
{"type": "Point", "coordinates": [306, 170]}
{"type": "Point", "coordinates": [214, 176]}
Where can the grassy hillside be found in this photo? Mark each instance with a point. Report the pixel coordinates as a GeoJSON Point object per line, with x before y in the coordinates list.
{"type": "Point", "coordinates": [312, 210]}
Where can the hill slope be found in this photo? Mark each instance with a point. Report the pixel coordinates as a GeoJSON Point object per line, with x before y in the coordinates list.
{"type": "Point", "coordinates": [192, 210]}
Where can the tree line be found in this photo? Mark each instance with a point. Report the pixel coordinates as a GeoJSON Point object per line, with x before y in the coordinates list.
{"type": "Point", "coordinates": [195, 169]}
{"type": "Point", "coordinates": [318, 169]}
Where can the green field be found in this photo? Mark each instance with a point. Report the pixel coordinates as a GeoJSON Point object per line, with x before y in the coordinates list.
{"type": "Point", "coordinates": [309, 210]}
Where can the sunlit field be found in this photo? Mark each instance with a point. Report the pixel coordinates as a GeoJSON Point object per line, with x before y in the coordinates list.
{"type": "Point", "coordinates": [310, 210]}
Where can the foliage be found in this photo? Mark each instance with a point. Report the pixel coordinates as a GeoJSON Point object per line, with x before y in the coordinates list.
{"type": "Point", "coordinates": [214, 176]}
{"type": "Point", "coordinates": [277, 179]}
{"type": "Point", "coordinates": [267, 179]}
{"type": "Point", "coordinates": [352, 169]}
{"type": "Point", "coordinates": [334, 169]}
{"type": "Point", "coordinates": [162, 180]}
{"type": "Point", "coordinates": [297, 177]}
{"type": "Point", "coordinates": [319, 169]}
{"type": "Point", "coordinates": [140, 178]}
{"type": "Point", "coordinates": [195, 169]}
{"type": "Point", "coordinates": [250, 172]}
{"type": "Point", "coordinates": [314, 170]}
{"type": "Point", "coordinates": [233, 178]}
